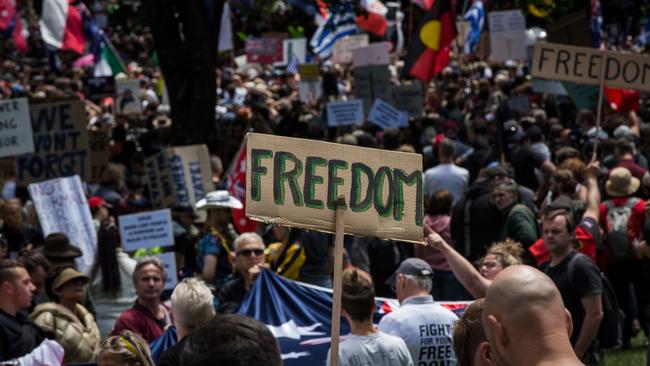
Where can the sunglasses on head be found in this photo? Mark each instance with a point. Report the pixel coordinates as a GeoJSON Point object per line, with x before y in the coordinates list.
{"type": "Point", "coordinates": [248, 252]}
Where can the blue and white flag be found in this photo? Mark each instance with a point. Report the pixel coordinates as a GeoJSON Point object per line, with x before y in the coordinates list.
{"type": "Point", "coordinates": [597, 24]}
{"type": "Point", "coordinates": [292, 66]}
{"type": "Point", "coordinates": [339, 23]}
{"type": "Point", "coordinates": [299, 316]}
{"type": "Point", "coordinates": [644, 37]}
{"type": "Point", "coordinates": [476, 17]}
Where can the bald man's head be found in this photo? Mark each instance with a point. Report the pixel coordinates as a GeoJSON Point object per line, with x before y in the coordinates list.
{"type": "Point", "coordinates": [521, 305]}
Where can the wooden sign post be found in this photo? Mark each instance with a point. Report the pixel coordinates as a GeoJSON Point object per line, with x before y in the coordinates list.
{"type": "Point", "coordinates": [338, 273]}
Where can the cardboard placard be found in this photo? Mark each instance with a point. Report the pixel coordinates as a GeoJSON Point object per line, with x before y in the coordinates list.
{"type": "Point", "coordinates": [373, 54]}
{"type": "Point", "coordinates": [385, 115]}
{"type": "Point", "coordinates": [507, 35]}
{"type": "Point", "coordinates": [15, 128]}
{"type": "Point", "coordinates": [60, 143]}
{"type": "Point", "coordinates": [191, 172]}
{"type": "Point", "coordinates": [345, 113]}
{"type": "Point", "coordinates": [264, 50]}
{"type": "Point", "coordinates": [146, 230]}
{"type": "Point", "coordinates": [99, 154]}
{"type": "Point", "coordinates": [308, 72]}
{"type": "Point", "coordinates": [159, 177]}
{"type": "Point", "coordinates": [62, 207]}
{"type": "Point", "coordinates": [370, 83]}
{"type": "Point", "coordinates": [342, 50]}
{"type": "Point", "coordinates": [409, 97]}
{"type": "Point", "coordinates": [296, 182]}
{"type": "Point", "coordinates": [583, 66]}
{"type": "Point", "coordinates": [169, 262]}
{"type": "Point", "coordinates": [128, 99]}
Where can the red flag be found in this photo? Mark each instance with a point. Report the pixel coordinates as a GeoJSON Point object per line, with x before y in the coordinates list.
{"type": "Point", "coordinates": [237, 187]}
{"type": "Point", "coordinates": [373, 23]}
{"type": "Point", "coordinates": [429, 52]}
{"type": "Point", "coordinates": [7, 13]}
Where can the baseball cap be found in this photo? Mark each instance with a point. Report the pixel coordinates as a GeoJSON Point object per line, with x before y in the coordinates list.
{"type": "Point", "coordinates": [96, 201]}
{"type": "Point", "coordinates": [413, 267]}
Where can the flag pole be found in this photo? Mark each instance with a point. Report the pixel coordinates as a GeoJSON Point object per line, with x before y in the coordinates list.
{"type": "Point", "coordinates": [601, 91]}
{"type": "Point", "coordinates": [338, 274]}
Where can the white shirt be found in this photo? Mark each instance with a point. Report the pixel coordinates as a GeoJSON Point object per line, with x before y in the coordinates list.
{"type": "Point", "coordinates": [449, 177]}
{"type": "Point", "coordinates": [378, 349]}
{"type": "Point", "coordinates": [426, 327]}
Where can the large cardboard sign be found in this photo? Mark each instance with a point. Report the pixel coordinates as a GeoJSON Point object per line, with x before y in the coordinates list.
{"type": "Point", "coordinates": [583, 66]}
{"type": "Point", "coordinates": [507, 35]}
{"type": "Point", "coordinates": [264, 50]}
{"type": "Point", "coordinates": [294, 47]}
{"type": "Point", "coordinates": [15, 128]}
{"type": "Point", "coordinates": [146, 230]}
{"type": "Point", "coordinates": [385, 115]}
{"type": "Point", "coordinates": [342, 50]}
{"type": "Point", "coordinates": [345, 113]}
{"type": "Point", "coordinates": [409, 98]}
{"type": "Point", "coordinates": [98, 144]}
{"type": "Point", "coordinates": [296, 182]}
{"type": "Point", "coordinates": [62, 207]}
{"type": "Point", "coordinates": [161, 184]}
{"type": "Point", "coordinates": [374, 54]}
{"type": "Point", "coordinates": [191, 172]}
{"type": "Point", "coordinates": [128, 96]}
{"type": "Point", "coordinates": [60, 143]}
{"type": "Point", "coordinates": [370, 83]}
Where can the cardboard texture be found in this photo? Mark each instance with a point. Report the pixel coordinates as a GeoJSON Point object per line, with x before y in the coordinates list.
{"type": "Point", "coordinates": [295, 182]}
{"type": "Point", "coordinates": [161, 184]}
{"type": "Point", "coordinates": [60, 143]}
{"type": "Point", "coordinates": [15, 128]}
{"type": "Point", "coordinates": [191, 172]}
{"type": "Point", "coordinates": [98, 144]}
{"type": "Point", "coordinates": [342, 50]}
{"type": "Point", "coordinates": [128, 96]}
{"type": "Point", "coordinates": [583, 66]}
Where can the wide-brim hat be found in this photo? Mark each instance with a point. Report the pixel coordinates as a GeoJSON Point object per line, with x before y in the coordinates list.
{"type": "Point", "coordinates": [218, 199]}
{"type": "Point", "coordinates": [621, 183]}
{"type": "Point", "coordinates": [59, 247]}
{"type": "Point", "coordinates": [68, 275]}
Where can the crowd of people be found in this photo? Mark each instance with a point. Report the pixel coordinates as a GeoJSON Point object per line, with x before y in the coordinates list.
{"type": "Point", "coordinates": [534, 212]}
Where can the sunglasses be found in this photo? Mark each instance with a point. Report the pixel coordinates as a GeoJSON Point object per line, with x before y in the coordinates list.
{"type": "Point", "coordinates": [248, 252]}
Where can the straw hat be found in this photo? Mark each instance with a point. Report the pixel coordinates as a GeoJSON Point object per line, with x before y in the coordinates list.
{"type": "Point", "coordinates": [68, 275]}
{"type": "Point", "coordinates": [621, 183]}
{"type": "Point", "coordinates": [218, 199]}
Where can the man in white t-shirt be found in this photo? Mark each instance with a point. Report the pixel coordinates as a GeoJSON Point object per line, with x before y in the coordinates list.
{"type": "Point", "coordinates": [425, 326]}
{"type": "Point", "coordinates": [446, 175]}
{"type": "Point", "coordinates": [366, 345]}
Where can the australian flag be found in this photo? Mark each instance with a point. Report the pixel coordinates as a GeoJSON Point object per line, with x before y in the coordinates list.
{"type": "Point", "coordinates": [340, 22]}
{"type": "Point", "coordinates": [299, 316]}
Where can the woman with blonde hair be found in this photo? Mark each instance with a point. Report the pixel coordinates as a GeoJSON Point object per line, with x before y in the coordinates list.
{"type": "Point", "coordinates": [125, 349]}
{"type": "Point", "coordinates": [476, 281]}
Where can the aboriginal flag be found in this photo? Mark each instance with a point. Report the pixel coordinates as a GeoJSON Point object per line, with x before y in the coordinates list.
{"type": "Point", "coordinates": [429, 52]}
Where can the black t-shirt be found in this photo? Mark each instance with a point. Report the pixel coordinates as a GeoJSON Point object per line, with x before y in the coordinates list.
{"type": "Point", "coordinates": [172, 356]}
{"type": "Point", "coordinates": [525, 160]}
{"type": "Point", "coordinates": [585, 280]}
{"type": "Point", "coordinates": [18, 336]}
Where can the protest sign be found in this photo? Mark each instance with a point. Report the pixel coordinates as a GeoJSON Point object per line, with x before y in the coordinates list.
{"type": "Point", "coordinates": [585, 66]}
{"type": "Point", "coordinates": [507, 35]}
{"type": "Point", "coordinates": [169, 262]}
{"type": "Point", "coordinates": [146, 230]}
{"type": "Point", "coordinates": [98, 144]}
{"type": "Point", "coordinates": [373, 54]}
{"type": "Point", "coordinates": [370, 83]}
{"type": "Point", "coordinates": [60, 143]}
{"type": "Point", "coordinates": [385, 115]}
{"type": "Point", "coordinates": [159, 177]}
{"type": "Point", "coordinates": [128, 99]}
{"type": "Point", "coordinates": [409, 98]}
{"type": "Point", "coordinates": [62, 207]}
{"type": "Point", "coordinates": [191, 172]}
{"type": "Point", "coordinates": [264, 50]}
{"type": "Point", "coordinates": [100, 86]}
{"type": "Point", "coordinates": [342, 50]}
{"type": "Point", "coordinates": [15, 128]}
{"type": "Point", "coordinates": [344, 113]}
{"type": "Point", "coordinates": [308, 72]}
{"type": "Point", "coordinates": [296, 182]}
{"type": "Point", "coordinates": [294, 47]}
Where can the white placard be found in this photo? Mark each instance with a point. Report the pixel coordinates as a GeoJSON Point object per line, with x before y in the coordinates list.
{"type": "Point", "coordinates": [374, 54]}
{"type": "Point", "coordinates": [345, 113]}
{"type": "Point", "coordinates": [342, 50]}
{"type": "Point", "coordinates": [507, 35]}
{"type": "Point", "coordinates": [385, 115]}
{"type": "Point", "coordinates": [146, 230]}
{"type": "Point", "coordinates": [62, 207]}
{"type": "Point", "coordinates": [15, 128]}
{"type": "Point", "coordinates": [128, 96]}
{"type": "Point", "coordinates": [169, 261]}
{"type": "Point", "coordinates": [297, 46]}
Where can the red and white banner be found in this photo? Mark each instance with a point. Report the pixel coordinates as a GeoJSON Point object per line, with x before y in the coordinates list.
{"type": "Point", "coordinates": [62, 26]}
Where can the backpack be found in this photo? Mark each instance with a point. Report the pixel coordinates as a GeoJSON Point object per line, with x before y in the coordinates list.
{"type": "Point", "coordinates": [617, 219]}
{"type": "Point", "coordinates": [610, 331]}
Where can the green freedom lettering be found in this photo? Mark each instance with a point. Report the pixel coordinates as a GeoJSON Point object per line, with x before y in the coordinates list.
{"type": "Point", "coordinates": [280, 175]}
{"type": "Point", "coordinates": [311, 179]}
{"type": "Point", "coordinates": [334, 181]}
{"type": "Point", "coordinates": [398, 206]}
{"type": "Point", "coordinates": [258, 170]}
{"type": "Point", "coordinates": [383, 208]}
{"type": "Point", "coordinates": [356, 204]}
